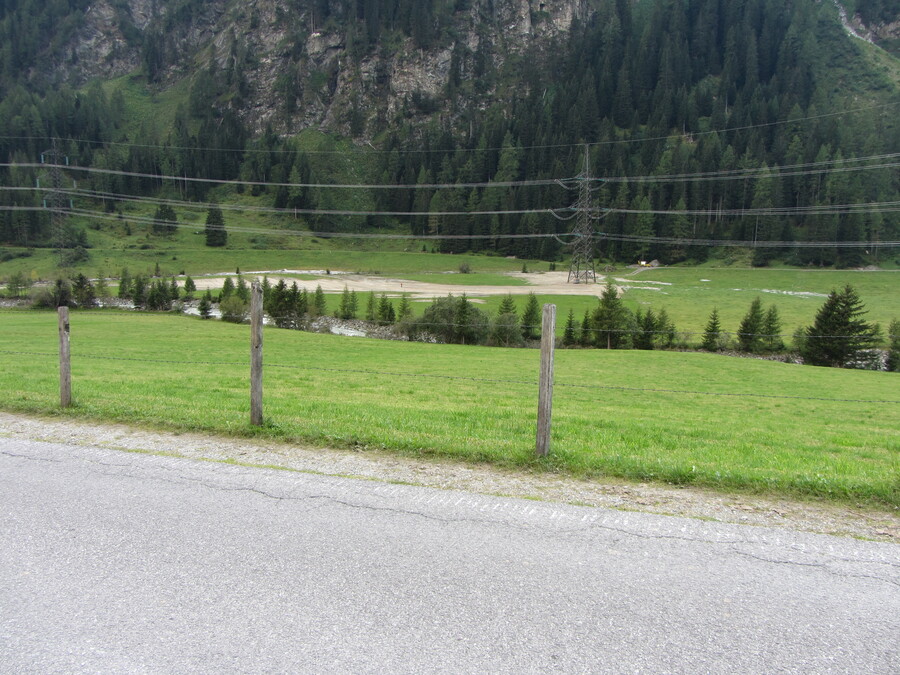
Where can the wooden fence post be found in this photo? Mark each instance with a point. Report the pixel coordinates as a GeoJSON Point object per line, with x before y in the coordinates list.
{"type": "Point", "coordinates": [256, 354]}
{"type": "Point", "coordinates": [545, 395]}
{"type": "Point", "coordinates": [65, 362]}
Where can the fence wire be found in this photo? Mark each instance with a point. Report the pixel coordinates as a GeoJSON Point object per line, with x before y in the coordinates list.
{"type": "Point", "coordinates": [464, 378]}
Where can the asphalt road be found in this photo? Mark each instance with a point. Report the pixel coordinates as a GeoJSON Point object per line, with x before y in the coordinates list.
{"type": "Point", "coordinates": [122, 562]}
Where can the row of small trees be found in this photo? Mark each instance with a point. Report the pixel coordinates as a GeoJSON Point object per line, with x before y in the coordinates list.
{"type": "Point", "coordinates": [839, 336]}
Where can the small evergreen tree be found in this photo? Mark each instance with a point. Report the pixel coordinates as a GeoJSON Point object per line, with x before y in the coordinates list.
{"type": "Point", "coordinates": [893, 357]}
{"type": "Point", "coordinates": [165, 222]}
{"type": "Point", "coordinates": [242, 290]}
{"type": "Point", "coordinates": [531, 319]}
{"type": "Point", "coordinates": [713, 338]}
{"type": "Point", "coordinates": [586, 335]}
{"type": "Point", "coordinates": [227, 289]}
{"type": "Point", "coordinates": [839, 336]}
{"type": "Point", "coordinates": [507, 305]}
{"type": "Point", "coordinates": [750, 331]}
{"type": "Point", "coordinates": [101, 287]}
{"type": "Point", "coordinates": [370, 308]}
{"type": "Point", "coordinates": [173, 289]}
{"type": "Point", "coordinates": [189, 288]}
{"type": "Point", "coordinates": [299, 302]}
{"type": "Point", "coordinates": [384, 310]}
{"type": "Point", "coordinates": [158, 296]}
{"type": "Point", "coordinates": [83, 292]}
{"type": "Point", "coordinates": [404, 312]}
{"type": "Point", "coordinates": [570, 335]}
{"type": "Point", "coordinates": [320, 307]}
{"type": "Point", "coordinates": [665, 330]}
{"type": "Point", "coordinates": [205, 306]}
{"type": "Point", "coordinates": [612, 321]}
{"type": "Point", "coordinates": [124, 284]}
{"type": "Point", "coordinates": [216, 234]}
{"type": "Point", "coordinates": [139, 290]}
{"type": "Point", "coordinates": [343, 310]}
{"type": "Point", "coordinates": [646, 329]}
{"type": "Point", "coordinates": [771, 331]}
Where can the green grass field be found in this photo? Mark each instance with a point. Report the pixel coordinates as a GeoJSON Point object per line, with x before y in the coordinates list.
{"type": "Point", "coordinates": [729, 424]}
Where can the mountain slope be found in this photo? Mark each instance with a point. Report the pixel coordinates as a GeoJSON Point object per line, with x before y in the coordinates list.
{"type": "Point", "coordinates": [478, 90]}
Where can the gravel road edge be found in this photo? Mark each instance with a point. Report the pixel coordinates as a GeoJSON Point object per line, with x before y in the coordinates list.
{"type": "Point", "coordinates": [809, 516]}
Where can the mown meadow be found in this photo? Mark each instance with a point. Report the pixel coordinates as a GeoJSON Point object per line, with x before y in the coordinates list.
{"type": "Point", "coordinates": [683, 418]}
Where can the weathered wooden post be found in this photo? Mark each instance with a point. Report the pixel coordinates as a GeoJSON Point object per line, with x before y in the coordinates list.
{"type": "Point", "coordinates": [256, 354]}
{"type": "Point", "coordinates": [545, 394]}
{"type": "Point", "coordinates": [65, 362]}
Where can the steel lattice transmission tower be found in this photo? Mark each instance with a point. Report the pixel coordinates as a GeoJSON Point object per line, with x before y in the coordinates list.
{"type": "Point", "coordinates": [55, 200]}
{"type": "Point", "coordinates": [581, 270]}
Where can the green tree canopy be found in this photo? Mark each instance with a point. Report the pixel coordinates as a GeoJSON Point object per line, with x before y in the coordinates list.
{"type": "Point", "coordinates": [839, 336]}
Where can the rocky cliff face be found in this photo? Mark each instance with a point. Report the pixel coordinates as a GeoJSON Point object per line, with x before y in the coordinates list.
{"type": "Point", "coordinates": [295, 74]}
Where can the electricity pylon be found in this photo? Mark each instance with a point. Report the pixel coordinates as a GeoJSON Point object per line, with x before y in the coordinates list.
{"type": "Point", "coordinates": [55, 200]}
{"type": "Point", "coordinates": [581, 269]}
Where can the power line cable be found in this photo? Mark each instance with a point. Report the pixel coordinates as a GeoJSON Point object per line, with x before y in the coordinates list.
{"type": "Point", "coordinates": [373, 150]}
{"type": "Point", "coordinates": [242, 182]}
{"type": "Point", "coordinates": [463, 237]}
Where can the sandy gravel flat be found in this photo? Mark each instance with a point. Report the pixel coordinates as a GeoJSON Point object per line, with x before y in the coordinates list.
{"type": "Point", "coordinates": [546, 283]}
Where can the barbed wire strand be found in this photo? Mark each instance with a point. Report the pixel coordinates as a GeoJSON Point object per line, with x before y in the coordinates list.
{"type": "Point", "coordinates": [532, 383]}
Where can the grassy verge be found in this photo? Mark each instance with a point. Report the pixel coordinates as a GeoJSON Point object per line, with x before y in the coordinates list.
{"type": "Point", "coordinates": [627, 414]}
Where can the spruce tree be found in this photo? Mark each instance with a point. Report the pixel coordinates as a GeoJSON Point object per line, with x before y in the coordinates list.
{"type": "Point", "coordinates": [189, 288]}
{"type": "Point", "coordinates": [570, 336]}
{"type": "Point", "coordinates": [216, 234]}
{"type": "Point", "coordinates": [507, 305]}
{"type": "Point", "coordinates": [839, 336]}
{"type": "Point", "coordinates": [404, 312]}
{"type": "Point", "coordinates": [750, 331]}
{"type": "Point", "coordinates": [611, 320]}
{"type": "Point", "coordinates": [139, 290]}
{"type": "Point", "coordinates": [242, 290]}
{"type": "Point", "coordinates": [712, 336]}
{"type": "Point", "coordinates": [83, 292]}
{"type": "Point", "coordinates": [124, 284]}
{"type": "Point", "coordinates": [772, 340]}
{"type": "Point", "coordinates": [205, 306]}
{"type": "Point", "coordinates": [646, 329]}
{"type": "Point", "coordinates": [319, 304]}
{"type": "Point", "coordinates": [531, 319]}
{"type": "Point", "coordinates": [370, 308]}
{"type": "Point", "coordinates": [343, 311]}
{"type": "Point", "coordinates": [893, 357]}
{"type": "Point", "coordinates": [165, 222]}
{"type": "Point", "coordinates": [586, 335]}
{"type": "Point", "coordinates": [227, 289]}
{"type": "Point", "coordinates": [665, 330]}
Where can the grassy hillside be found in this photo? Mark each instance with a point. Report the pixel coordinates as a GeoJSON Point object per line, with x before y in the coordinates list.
{"type": "Point", "coordinates": [682, 418]}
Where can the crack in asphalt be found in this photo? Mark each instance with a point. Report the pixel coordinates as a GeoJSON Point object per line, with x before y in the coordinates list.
{"type": "Point", "coordinates": [732, 544]}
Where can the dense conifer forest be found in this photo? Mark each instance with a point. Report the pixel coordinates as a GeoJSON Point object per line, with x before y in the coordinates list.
{"type": "Point", "coordinates": [695, 112]}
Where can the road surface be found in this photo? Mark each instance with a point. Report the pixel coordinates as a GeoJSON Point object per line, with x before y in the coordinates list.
{"type": "Point", "coordinates": [124, 562]}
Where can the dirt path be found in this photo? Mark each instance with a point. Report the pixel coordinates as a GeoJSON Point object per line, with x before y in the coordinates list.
{"type": "Point", "coordinates": [882, 525]}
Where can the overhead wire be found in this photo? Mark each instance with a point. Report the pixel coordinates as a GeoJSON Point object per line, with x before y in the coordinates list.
{"type": "Point", "coordinates": [255, 183]}
{"type": "Point", "coordinates": [555, 146]}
